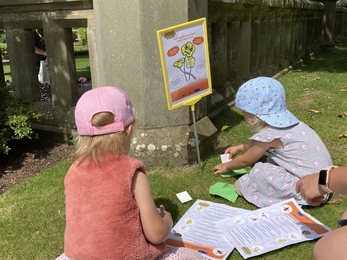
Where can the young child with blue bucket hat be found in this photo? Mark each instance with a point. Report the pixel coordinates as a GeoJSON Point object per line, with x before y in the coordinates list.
{"type": "Point", "coordinates": [293, 148]}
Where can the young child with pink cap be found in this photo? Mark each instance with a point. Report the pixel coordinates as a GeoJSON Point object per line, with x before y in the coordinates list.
{"type": "Point", "coordinates": [110, 210]}
{"type": "Point", "coordinates": [293, 148]}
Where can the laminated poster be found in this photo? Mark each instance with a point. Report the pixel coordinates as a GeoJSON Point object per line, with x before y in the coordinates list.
{"type": "Point", "coordinates": [185, 62]}
{"type": "Point", "coordinates": [215, 229]}
{"type": "Point", "coordinates": [267, 229]}
{"type": "Point", "coordinates": [197, 229]}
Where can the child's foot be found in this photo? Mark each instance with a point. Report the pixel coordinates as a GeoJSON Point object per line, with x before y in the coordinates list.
{"type": "Point", "coordinates": [237, 187]}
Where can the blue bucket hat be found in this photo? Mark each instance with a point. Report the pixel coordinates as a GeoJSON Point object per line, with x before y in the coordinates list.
{"type": "Point", "coordinates": [265, 97]}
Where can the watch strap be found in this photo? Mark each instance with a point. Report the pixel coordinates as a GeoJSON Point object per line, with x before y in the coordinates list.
{"type": "Point", "coordinates": [325, 183]}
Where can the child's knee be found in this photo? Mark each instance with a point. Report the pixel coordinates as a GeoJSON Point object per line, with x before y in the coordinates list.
{"type": "Point", "coordinates": [331, 246]}
{"type": "Point", "coordinates": [344, 215]}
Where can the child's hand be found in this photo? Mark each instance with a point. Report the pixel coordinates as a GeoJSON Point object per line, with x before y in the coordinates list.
{"type": "Point", "coordinates": [220, 168]}
{"type": "Point", "coordinates": [232, 150]}
{"type": "Point", "coordinates": [163, 213]}
{"type": "Point", "coordinates": [166, 216]}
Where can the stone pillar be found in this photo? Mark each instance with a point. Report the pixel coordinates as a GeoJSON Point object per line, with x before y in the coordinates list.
{"type": "Point", "coordinates": [245, 47]}
{"type": "Point", "coordinates": [61, 62]}
{"type": "Point", "coordinates": [270, 38]}
{"type": "Point", "coordinates": [327, 41]}
{"type": "Point", "coordinates": [92, 55]}
{"type": "Point", "coordinates": [310, 33]}
{"type": "Point", "coordinates": [286, 35]}
{"type": "Point", "coordinates": [305, 43]}
{"type": "Point", "coordinates": [21, 50]}
{"type": "Point", "coordinates": [262, 44]}
{"type": "Point", "coordinates": [127, 56]}
{"type": "Point", "coordinates": [218, 54]}
{"type": "Point", "coordinates": [303, 20]}
{"type": "Point", "coordinates": [276, 44]}
{"type": "Point", "coordinates": [2, 75]}
{"type": "Point", "coordinates": [234, 46]}
{"type": "Point", "coordinates": [255, 35]}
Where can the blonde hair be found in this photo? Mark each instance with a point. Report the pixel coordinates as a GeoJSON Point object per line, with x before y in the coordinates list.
{"type": "Point", "coordinates": [95, 146]}
{"type": "Point", "coordinates": [256, 124]}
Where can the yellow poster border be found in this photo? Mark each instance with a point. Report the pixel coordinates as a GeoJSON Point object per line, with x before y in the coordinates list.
{"type": "Point", "coordinates": [190, 101]}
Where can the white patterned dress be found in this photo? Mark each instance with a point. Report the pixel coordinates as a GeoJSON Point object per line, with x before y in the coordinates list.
{"type": "Point", "coordinates": [303, 152]}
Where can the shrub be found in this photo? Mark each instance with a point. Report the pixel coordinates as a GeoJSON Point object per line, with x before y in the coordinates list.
{"type": "Point", "coordinates": [82, 35]}
{"type": "Point", "coordinates": [4, 52]}
{"type": "Point", "coordinates": [16, 116]}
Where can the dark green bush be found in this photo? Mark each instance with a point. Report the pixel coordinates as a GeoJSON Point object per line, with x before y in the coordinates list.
{"type": "Point", "coordinates": [16, 116]}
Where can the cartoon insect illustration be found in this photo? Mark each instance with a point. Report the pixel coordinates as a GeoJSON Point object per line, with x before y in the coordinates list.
{"type": "Point", "coordinates": [219, 251]}
{"type": "Point", "coordinates": [286, 208]}
{"type": "Point", "coordinates": [246, 250]}
{"type": "Point", "coordinates": [281, 240]}
{"type": "Point", "coordinates": [256, 249]}
{"type": "Point", "coordinates": [189, 221]}
{"type": "Point", "coordinates": [306, 232]}
{"type": "Point", "coordinates": [188, 61]}
{"type": "Point", "coordinates": [204, 204]}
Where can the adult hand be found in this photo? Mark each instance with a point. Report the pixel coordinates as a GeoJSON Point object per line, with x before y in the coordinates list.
{"type": "Point", "coordinates": [309, 189]}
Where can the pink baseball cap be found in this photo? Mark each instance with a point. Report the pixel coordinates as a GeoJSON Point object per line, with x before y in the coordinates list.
{"type": "Point", "coordinates": [103, 99]}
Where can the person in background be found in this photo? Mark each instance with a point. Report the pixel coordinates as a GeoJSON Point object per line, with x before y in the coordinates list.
{"type": "Point", "coordinates": [110, 210]}
{"type": "Point", "coordinates": [293, 149]}
{"type": "Point", "coordinates": [40, 49]}
{"type": "Point", "coordinates": [40, 52]}
{"type": "Point", "coordinates": [313, 188]}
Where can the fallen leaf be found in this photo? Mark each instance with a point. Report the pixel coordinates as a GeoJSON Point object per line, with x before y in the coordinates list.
{"type": "Point", "coordinates": [343, 90]}
{"type": "Point", "coordinates": [303, 77]}
{"type": "Point", "coordinates": [313, 111]}
{"type": "Point", "coordinates": [225, 127]}
{"type": "Point", "coordinates": [343, 135]}
{"type": "Point", "coordinates": [336, 198]}
{"type": "Point", "coordinates": [316, 78]}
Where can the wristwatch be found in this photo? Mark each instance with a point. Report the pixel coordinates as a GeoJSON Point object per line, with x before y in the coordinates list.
{"type": "Point", "coordinates": [323, 179]}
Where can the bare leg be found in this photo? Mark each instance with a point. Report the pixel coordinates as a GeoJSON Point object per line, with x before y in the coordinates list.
{"type": "Point", "coordinates": [332, 245]}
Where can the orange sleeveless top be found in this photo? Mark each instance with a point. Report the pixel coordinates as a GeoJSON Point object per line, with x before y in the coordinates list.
{"type": "Point", "coordinates": [102, 217]}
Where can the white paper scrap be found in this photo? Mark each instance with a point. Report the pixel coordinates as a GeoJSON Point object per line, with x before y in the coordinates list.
{"type": "Point", "coordinates": [183, 196]}
{"type": "Point", "coordinates": [225, 158]}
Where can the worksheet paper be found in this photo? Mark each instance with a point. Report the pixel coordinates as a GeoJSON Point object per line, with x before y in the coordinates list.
{"type": "Point", "coordinates": [260, 231]}
{"type": "Point", "coordinates": [197, 229]}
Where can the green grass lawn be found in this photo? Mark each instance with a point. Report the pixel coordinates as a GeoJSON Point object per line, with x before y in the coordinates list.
{"type": "Point", "coordinates": [32, 217]}
{"type": "Point", "coordinates": [82, 66]}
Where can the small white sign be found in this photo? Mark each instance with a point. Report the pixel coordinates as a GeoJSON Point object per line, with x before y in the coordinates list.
{"type": "Point", "coordinates": [183, 196]}
{"type": "Point", "coordinates": [225, 158]}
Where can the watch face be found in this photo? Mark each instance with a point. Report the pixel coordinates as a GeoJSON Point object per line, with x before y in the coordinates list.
{"type": "Point", "coordinates": [322, 177]}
